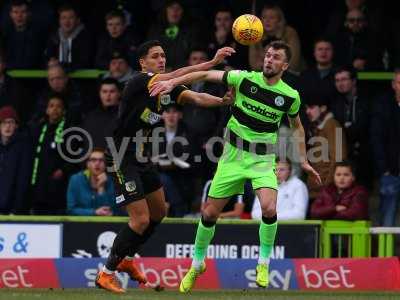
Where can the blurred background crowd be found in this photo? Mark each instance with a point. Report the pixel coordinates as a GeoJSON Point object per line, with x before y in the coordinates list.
{"type": "Point", "coordinates": [331, 43]}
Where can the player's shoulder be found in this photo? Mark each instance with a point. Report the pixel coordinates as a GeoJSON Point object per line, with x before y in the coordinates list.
{"type": "Point", "coordinates": [137, 75]}
{"type": "Point", "coordinates": [138, 81]}
{"type": "Point", "coordinates": [244, 73]}
{"type": "Point", "coordinates": [288, 90]}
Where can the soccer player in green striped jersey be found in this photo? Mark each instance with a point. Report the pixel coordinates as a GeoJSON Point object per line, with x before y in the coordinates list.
{"type": "Point", "coordinates": [262, 99]}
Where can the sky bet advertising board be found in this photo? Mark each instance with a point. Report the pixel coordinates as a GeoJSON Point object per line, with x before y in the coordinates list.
{"type": "Point", "coordinates": [285, 274]}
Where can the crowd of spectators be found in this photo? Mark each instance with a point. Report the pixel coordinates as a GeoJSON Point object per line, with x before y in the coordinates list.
{"type": "Point", "coordinates": [345, 119]}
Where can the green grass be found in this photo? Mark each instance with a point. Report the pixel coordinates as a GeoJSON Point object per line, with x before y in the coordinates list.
{"type": "Point", "coordinates": [95, 294]}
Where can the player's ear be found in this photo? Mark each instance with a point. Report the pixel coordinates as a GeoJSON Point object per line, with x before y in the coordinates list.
{"type": "Point", "coordinates": [142, 63]}
{"type": "Point", "coordinates": [285, 66]}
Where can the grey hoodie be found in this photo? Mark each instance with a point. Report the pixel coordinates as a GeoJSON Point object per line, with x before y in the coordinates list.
{"type": "Point", "coordinates": [65, 48]}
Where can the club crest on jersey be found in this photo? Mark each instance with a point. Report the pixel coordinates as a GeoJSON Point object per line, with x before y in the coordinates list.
{"type": "Point", "coordinates": [253, 90]}
{"type": "Point", "coordinates": [165, 99]}
{"type": "Point", "coordinates": [130, 186]}
{"type": "Point", "coordinates": [150, 117]}
{"type": "Point", "coordinates": [279, 101]}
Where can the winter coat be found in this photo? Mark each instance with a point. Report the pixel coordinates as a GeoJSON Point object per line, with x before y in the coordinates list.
{"type": "Point", "coordinates": [15, 172]}
{"type": "Point", "coordinates": [385, 134]}
{"type": "Point", "coordinates": [325, 166]}
{"type": "Point", "coordinates": [354, 198]}
{"type": "Point", "coordinates": [80, 57]}
{"type": "Point", "coordinates": [82, 200]}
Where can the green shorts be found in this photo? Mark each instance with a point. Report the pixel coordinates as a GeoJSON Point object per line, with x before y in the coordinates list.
{"type": "Point", "coordinates": [236, 166]}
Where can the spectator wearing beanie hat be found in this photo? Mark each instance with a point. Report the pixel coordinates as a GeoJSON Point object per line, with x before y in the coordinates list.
{"type": "Point", "coordinates": [326, 141]}
{"type": "Point", "coordinates": [15, 164]}
{"type": "Point", "coordinates": [119, 68]}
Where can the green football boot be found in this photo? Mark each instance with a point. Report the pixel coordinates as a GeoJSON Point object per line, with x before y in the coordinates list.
{"type": "Point", "coordinates": [262, 279]}
{"type": "Point", "coordinates": [189, 279]}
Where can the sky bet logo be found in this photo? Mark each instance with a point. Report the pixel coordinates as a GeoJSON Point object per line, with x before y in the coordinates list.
{"type": "Point", "coordinates": [260, 110]}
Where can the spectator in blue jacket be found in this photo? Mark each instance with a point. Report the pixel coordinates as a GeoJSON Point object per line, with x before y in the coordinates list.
{"type": "Point", "coordinates": [15, 164]}
{"type": "Point", "coordinates": [91, 192]}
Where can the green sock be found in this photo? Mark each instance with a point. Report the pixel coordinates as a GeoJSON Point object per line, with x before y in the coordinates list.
{"type": "Point", "coordinates": [267, 234]}
{"type": "Point", "coordinates": [204, 236]}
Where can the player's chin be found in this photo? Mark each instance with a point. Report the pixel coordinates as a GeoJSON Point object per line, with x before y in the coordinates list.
{"type": "Point", "coordinates": [269, 73]}
{"type": "Point", "coordinates": [161, 69]}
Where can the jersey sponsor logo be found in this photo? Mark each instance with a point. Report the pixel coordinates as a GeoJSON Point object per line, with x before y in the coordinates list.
{"type": "Point", "coordinates": [279, 101]}
{"type": "Point", "coordinates": [119, 198]}
{"type": "Point", "coordinates": [165, 99]}
{"type": "Point", "coordinates": [130, 186]}
{"type": "Point", "coordinates": [150, 117]}
{"type": "Point", "coordinates": [259, 110]}
{"type": "Point", "coordinates": [264, 96]}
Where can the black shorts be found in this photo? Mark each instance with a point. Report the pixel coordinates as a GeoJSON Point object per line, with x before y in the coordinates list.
{"type": "Point", "coordinates": [133, 181]}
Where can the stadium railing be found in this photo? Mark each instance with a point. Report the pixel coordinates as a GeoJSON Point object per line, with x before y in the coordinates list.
{"type": "Point", "coordinates": [385, 239]}
{"type": "Point", "coordinates": [353, 235]}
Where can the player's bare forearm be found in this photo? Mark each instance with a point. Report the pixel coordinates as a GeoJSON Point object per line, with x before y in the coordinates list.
{"type": "Point", "coordinates": [203, 99]}
{"type": "Point", "coordinates": [218, 58]}
{"type": "Point", "coordinates": [299, 137]}
{"type": "Point", "coordinates": [164, 87]}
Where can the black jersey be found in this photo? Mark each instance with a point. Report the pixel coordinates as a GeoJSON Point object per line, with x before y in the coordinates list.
{"type": "Point", "coordinates": [138, 111]}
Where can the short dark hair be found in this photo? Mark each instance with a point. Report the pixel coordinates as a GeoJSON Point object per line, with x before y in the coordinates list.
{"type": "Point", "coordinates": [116, 14]}
{"type": "Point", "coordinates": [346, 164]}
{"type": "Point", "coordinates": [144, 48]}
{"type": "Point", "coordinates": [110, 80]}
{"type": "Point", "coordinates": [348, 69]}
{"type": "Point", "coordinates": [198, 49]}
{"type": "Point", "coordinates": [67, 7]}
{"type": "Point", "coordinates": [53, 95]}
{"type": "Point", "coordinates": [286, 160]}
{"type": "Point", "coordinates": [322, 39]}
{"type": "Point", "coordinates": [278, 45]}
{"type": "Point", "coordinates": [223, 8]}
{"type": "Point", "coordinates": [16, 3]}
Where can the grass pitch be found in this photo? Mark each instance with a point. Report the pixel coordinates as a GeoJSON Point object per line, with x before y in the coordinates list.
{"type": "Point", "coordinates": [95, 294]}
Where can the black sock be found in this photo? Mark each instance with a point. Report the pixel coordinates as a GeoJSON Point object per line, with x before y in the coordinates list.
{"type": "Point", "coordinates": [207, 223]}
{"type": "Point", "coordinates": [122, 244]}
{"type": "Point", "coordinates": [269, 221]}
{"type": "Point", "coordinates": [145, 236]}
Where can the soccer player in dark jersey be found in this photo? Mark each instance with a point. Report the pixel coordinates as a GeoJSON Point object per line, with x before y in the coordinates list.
{"type": "Point", "coordinates": [262, 99]}
{"type": "Point", "coordinates": [137, 185]}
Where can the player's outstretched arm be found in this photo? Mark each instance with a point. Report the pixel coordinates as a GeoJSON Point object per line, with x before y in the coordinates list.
{"type": "Point", "coordinates": [218, 58]}
{"type": "Point", "coordinates": [207, 100]}
{"type": "Point", "coordinates": [299, 137]}
{"type": "Point", "coordinates": [164, 87]}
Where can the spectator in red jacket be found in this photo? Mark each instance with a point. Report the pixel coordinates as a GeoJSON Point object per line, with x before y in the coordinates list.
{"type": "Point", "coordinates": [344, 199]}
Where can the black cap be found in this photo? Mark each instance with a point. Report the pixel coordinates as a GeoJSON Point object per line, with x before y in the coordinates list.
{"type": "Point", "coordinates": [119, 54]}
{"type": "Point", "coordinates": [312, 98]}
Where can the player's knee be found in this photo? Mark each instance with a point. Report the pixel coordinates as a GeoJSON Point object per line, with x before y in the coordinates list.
{"type": "Point", "coordinates": [210, 214]}
{"type": "Point", "coordinates": [139, 223]}
{"type": "Point", "coordinates": [268, 209]}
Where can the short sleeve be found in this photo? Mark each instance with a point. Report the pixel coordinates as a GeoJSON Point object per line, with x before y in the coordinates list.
{"type": "Point", "coordinates": [176, 94]}
{"type": "Point", "coordinates": [232, 77]}
{"type": "Point", "coordinates": [139, 82]}
{"type": "Point", "coordinates": [295, 107]}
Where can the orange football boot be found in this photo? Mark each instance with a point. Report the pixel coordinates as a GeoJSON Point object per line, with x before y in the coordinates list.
{"type": "Point", "coordinates": [109, 282]}
{"type": "Point", "coordinates": [129, 267]}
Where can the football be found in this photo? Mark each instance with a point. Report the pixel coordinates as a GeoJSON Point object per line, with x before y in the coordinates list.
{"type": "Point", "coordinates": [247, 29]}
